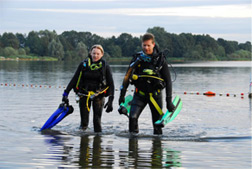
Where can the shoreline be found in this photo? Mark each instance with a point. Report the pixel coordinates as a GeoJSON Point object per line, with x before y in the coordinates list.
{"type": "Point", "coordinates": [117, 59]}
{"type": "Point", "coordinates": [29, 58]}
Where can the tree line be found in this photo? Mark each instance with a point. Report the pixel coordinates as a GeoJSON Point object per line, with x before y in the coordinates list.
{"type": "Point", "coordinates": [73, 45]}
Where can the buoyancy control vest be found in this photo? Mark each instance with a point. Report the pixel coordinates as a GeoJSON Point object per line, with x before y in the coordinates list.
{"type": "Point", "coordinates": [92, 77]}
{"type": "Point", "coordinates": [146, 75]}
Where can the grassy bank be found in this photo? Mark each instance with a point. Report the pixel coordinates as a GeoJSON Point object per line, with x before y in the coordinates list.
{"type": "Point", "coordinates": [28, 57]}
{"type": "Point", "coordinates": [118, 59]}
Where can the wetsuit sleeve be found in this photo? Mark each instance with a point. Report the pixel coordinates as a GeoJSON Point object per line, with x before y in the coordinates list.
{"type": "Point", "coordinates": [130, 69]}
{"type": "Point", "coordinates": [110, 81]}
{"type": "Point", "coordinates": [165, 74]}
{"type": "Point", "coordinates": [74, 79]}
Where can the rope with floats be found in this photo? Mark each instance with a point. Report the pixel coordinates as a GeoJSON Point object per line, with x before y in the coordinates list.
{"type": "Point", "coordinates": [207, 93]}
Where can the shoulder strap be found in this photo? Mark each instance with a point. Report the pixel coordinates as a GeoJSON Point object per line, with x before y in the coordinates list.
{"type": "Point", "coordinates": [104, 67]}
{"type": "Point", "coordinates": [86, 62]}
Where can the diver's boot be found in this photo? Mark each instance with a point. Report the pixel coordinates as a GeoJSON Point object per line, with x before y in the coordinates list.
{"type": "Point", "coordinates": [158, 130]}
{"type": "Point", "coordinates": [83, 127]}
{"type": "Point", "coordinates": [133, 126]}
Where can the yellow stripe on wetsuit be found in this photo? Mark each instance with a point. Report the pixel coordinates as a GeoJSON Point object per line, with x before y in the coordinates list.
{"type": "Point", "coordinates": [90, 93]}
{"type": "Point", "coordinates": [153, 101]}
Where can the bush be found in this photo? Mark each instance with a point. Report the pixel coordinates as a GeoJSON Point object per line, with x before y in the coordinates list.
{"type": "Point", "coordinates": [21, 51]}
{"type": "Point", "coordinates": [240, 55]}
{"type": "Point", "coordinates": [9, 51]}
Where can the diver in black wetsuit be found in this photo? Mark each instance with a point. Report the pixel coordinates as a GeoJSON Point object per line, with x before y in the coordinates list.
{"type": "Point", "coordinates": [93, 77]}
{"type": "Point", "coordinates": [149, 72]}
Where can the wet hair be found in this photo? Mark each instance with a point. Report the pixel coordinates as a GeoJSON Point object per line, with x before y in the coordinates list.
{"type": "Point", "coordinates": [98, 47]}
{"type": "Point", "coordinates": [148, 36]}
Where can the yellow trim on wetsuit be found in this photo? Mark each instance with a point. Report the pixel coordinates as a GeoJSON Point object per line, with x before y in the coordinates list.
{"type": "Point", "coordinates": [153, 101]}
{"type": "Point", "coordinates": [135, 77]}
{"type": "Point", "coordinates": [91, 93]}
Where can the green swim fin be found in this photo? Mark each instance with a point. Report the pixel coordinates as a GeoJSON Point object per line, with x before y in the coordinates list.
{"type": "Point", "coordinates": [170, 116]}
{"type": "Point", "coordinates": [125, 107]}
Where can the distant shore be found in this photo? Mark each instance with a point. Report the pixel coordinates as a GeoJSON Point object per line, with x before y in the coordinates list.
{"type": "Point", "coordinates": [114, 59]}
{"type": "Point", "coordinates": [28, 58]}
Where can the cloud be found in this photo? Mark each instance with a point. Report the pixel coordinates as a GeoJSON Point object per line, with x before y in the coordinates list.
{"type": "Point", "coordinates": [225, 11]}
{"type": "Point", "coordinates": [60, 0]}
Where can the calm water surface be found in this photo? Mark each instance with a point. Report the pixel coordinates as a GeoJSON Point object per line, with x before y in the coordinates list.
{"type": "Point", "coordinates": [210, 132]}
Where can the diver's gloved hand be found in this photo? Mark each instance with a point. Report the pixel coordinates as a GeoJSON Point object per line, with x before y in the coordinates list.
{"type": "Point", "coordinates": [121, 99]}
{"type": "Point", "coordinates": [169, 104]}
{"type": "Point", "coordinates": [122, 95]}
{"type": "Point", "coordinates": [65, 97]}
{"type": "Point", "coordinates": [109, 104]}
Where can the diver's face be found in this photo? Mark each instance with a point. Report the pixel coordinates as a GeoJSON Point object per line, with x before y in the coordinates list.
{"type": "Point", "coordinates": [148, 46]}
{"type": "Point", "coordinates": [96, 54]}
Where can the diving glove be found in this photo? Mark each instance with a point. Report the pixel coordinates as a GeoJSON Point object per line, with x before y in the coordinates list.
{"type": "Point", "coordinates": [169, 104]}
{"type": "Point", "coordinates": [109, 104]}
{"type": "Point", "coordinates": [65, 98]}
{"type": "Point", "coordinates": [121, 99]}
{"type": "Point", "coordinates": [122, 95]}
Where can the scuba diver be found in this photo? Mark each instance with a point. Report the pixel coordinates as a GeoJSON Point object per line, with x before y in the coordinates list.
{"type": "Point", "coordinates": [148, 72]}
{"type": "Point", "coordinates": [92, 82]}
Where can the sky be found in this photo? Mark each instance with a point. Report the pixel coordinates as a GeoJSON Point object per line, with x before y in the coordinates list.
{"type": "Point", "coordinates": [227, 19]}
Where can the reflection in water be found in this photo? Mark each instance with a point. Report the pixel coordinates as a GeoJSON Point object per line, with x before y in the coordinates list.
{"type": "Point", "coordinates": [156, 157]}
{"type": "Point", "coordinates": [97, 155]}
{"type": "Point", "coordinates": [59, 150]}
{"type": "Point", "coordinates": [96, 152]}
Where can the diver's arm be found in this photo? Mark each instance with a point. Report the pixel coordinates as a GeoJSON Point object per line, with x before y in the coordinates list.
{"type": "Point", "coordinates": [165, 73]}
{"type": "Point", "coordinates": [110, 81]}
{"type": "Point", "coordinates": [73, 82]}
{"type": "Point", "coordinates": [125, 83]}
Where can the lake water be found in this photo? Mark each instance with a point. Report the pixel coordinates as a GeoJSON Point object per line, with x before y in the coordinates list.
{"type": "Point", "coordinates": [209, 132]}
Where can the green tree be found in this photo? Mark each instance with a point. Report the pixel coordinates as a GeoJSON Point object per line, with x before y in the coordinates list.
{"type": "Point", "coordinates": [127, 43]}
{"type": "Point", "coordinates": [34, 43]}
{"type": "Point", "coordinates": [56, 50]}
{"type": "Point", "coordinates": [1, 44]}
{"type": "Point", "coordinates": [220, 53]}
{"type": "Point", "coordinates": [1, 51]}
{"type": "Point", "coordinates": [245, 46]}
{"type": "Point", "coordinates": [114, 50]}
{"type": "Point", "coordinates": [27, 50]}
{"type": "Point", "coordinates": [21, 51]}
{"type": "Point", "coordinates": [240, 55]}
{"type": "Point", "coordinates": [81, 51]}
{"type": "Point", "coordinates": [46, 37]}
{"type": "Point", "coordinates": [10, 40]}
{"type": "Point", "coordinates": [21, 38]}
{"type": "Point", "coordinates": [9, 51]}
{"type": "Point", "coordinates": [229, 46]}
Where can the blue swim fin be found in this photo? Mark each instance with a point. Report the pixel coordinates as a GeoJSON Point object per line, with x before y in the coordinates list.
{"type": "Point", "coordinates": [62, 111]}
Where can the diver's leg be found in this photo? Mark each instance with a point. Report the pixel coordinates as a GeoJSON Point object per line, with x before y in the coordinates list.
{"type": "Point", "coordinates": [138, 104]}
{"type": "Point", "coordinates": [98, 104]}
{"type": "Point", "coordinates": [84, 113]}
{"type": "Point", "coordinates": [155, 114]}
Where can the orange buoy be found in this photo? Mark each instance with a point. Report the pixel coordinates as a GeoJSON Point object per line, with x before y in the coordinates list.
{"type": "Point", "coordinates": [184, 92]}
{"type": "Point", "coordinates": [227, 94]}
{"type": "Point", "coordinates": [209, 93]}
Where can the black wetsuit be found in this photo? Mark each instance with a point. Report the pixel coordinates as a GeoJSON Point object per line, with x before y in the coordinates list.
{"type": "Point", "coordinates": [92, 80]}
{"type": "Point", "coordinates": [145, 86]}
